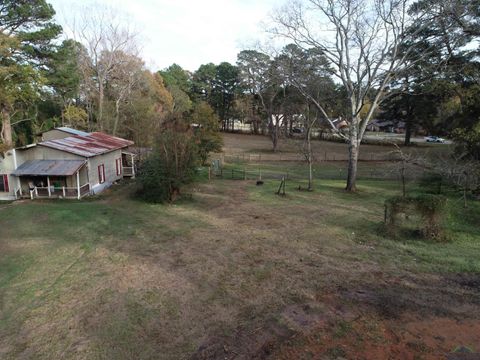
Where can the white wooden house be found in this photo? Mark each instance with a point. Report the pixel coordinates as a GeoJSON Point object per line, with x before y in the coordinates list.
{"type": "Point", "coordinates": [67, 163]}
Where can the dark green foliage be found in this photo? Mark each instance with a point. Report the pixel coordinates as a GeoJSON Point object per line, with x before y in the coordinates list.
{"type": "Point", "coordinates": [206, 132]}
{"type": "Point", "coordinates": [467, 142]}
{"type": "Point", "coordinates": [429, 207]}
{"type": "Point", "coordinates": [432, 183]}
{"type": "Point", "coordinates": [172, 165]}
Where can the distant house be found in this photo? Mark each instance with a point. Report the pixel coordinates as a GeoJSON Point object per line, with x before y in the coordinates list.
{"type": "Point", "coordinates": [66, 163]}
{"type": "Point", "coordinates": [386, 126]}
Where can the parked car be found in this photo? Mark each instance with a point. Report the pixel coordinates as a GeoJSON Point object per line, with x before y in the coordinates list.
{"type": "Point", "coordinates": [435, 139]}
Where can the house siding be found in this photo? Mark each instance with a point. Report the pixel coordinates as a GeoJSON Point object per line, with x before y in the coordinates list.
{"type": "Point", "coordinates": [108, 160]}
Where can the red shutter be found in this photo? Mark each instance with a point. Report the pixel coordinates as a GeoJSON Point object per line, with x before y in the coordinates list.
{"type": "Point", "coordinates": [5, 183]}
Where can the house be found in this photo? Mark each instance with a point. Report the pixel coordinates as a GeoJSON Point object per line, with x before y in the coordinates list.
{"type": "Point", "coordinates": [66, 163]}
{"type": "Point", "coordinates": [386, 126]}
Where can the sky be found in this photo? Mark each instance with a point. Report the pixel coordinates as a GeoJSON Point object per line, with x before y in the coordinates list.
{"type": "Point", "coordinates": [186, 32]}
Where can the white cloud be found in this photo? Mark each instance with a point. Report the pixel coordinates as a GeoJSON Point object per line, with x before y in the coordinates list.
{"type": "Point", "coordinates": [187, 32]}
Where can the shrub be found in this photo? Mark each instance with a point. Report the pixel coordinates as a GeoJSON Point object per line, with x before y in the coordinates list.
{"type": "Point", "coordinates": [172, 165]}
{"type": "Point", "coordinates": [432, 183]}
{"type": "Point", "coordinates": [429, 207]}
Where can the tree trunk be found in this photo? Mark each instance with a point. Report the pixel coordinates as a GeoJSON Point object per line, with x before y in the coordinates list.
{"type": "Point", "coordinates": [6, 133]}
{"type": "Point", "coordinates": [100, 106]}
{"type": "Point", "coordinates": [117, 117]}
{"type": "Point", "coordinates": [273, 129]}
{"type": "Point", "coordinates": [408, 132]}
{"type": "Point", "coordinates": [310, 160]}
{"type": "Point", "coordinates": [353, 150]}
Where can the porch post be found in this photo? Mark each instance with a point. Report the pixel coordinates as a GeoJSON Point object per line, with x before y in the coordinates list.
{"type": "Point", "coordinates": [78, 184]}
{"type": "Point", "coordinates": [48, 185]}
{"type": "Point", "coordinates": [133, 166]}
{"type": "Point", "coordinates": [63, 189]}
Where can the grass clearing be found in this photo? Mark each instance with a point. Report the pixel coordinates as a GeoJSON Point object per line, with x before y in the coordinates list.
{"type": "Point", "coordinates": [235, 270]}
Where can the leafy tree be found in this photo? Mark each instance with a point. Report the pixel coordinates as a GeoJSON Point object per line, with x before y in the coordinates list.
{"type": "Point", "coordinates": [75, 117]}
{"type": "Point", "coordinates": [171, 165]}
{"type": "Point", "coordinates": [150, 103]}
{"type": "Point", "coordinates": [262, 77]}
{"type": "Point", "coordinates": [27, 30]}
{"type": "Point", "coordinates": [206, 130]}
{"type": "Point", "coordinates": [178, 83]}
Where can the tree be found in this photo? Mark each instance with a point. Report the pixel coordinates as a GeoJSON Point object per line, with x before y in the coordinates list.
{"type": "Point", "coordinates": [121, 82]}
{"type": "Point", "coordinates": [171, 165]}
{"type": "Point", "coordinates": [63, 73]}
{"type": "Point", "coordinates": [261, 76]}
{"type": "Point", "coordinates": [106, 40]}
{"type": "Point", "coordinates": [362, 47]}
{"type": "Point", "coordinates": [307, 72]}
{"type": "Point", "coordinates": [26, 33]}
{"type": "Point", "coordinates": [149, 105]}
{"type": "Point", "coordinates": [177, 81]}
{"type": "Point", "coordinates": [205, 123]}
{"type": "Point", "coordinates": [225, 89]}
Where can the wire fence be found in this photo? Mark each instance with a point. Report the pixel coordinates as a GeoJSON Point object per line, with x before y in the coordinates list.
{"type": "Point", "coordinates": [324, 156]}
{"type": "Point", "coordinates": [233, 172]}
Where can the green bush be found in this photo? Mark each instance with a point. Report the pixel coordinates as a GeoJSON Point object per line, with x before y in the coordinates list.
{"type": "Point", "coordinates": [172, 165]}
{"type": "Point", "coordinates": [429, 207]}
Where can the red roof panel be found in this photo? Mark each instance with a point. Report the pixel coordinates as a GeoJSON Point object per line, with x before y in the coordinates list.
{"type": "Point", "coordinates": [90, 145]}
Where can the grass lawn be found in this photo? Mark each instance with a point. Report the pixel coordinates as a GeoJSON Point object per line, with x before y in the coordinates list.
{"type": "Point", "coordinates": [234, 272]}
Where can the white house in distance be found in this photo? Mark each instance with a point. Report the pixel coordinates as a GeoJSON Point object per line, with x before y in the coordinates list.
{"type": "Point", "coordinates": [66, 163]}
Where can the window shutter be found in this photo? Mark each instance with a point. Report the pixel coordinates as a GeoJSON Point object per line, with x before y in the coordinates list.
{"type": "Point", "coordinates": [5, 183]}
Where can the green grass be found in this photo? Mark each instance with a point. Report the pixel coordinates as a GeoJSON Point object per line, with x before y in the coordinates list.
{"type": "Point", "coordinates": [114, 277]}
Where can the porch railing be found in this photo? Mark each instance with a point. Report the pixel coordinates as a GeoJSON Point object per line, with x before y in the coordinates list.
{"type": "Point", "coordinates": [128, 171]}
{"type": "Point", "coordinates": [59, 192]}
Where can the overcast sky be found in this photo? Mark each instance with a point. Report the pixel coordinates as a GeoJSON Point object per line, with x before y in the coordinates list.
{"type": "Point", "coordinates": [186, 32]}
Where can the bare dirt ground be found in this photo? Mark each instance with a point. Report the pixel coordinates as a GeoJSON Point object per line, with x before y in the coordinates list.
{"type": "Point", "coordinates": [237, 273]}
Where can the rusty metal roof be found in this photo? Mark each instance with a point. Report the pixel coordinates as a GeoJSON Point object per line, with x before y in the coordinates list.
{"type": "Point", "coordinates": [89, 145]}
{"type": "Point", "coordinates": [71, 131]}
{"type": "Point", "coordinates": [49, 167]}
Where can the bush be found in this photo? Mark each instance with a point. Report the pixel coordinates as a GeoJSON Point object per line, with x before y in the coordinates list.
{"type": "Point", "coordinates": [172, 165]}
{"type": "Point", "coordinates": [432, 183]}
{"type": "Point", "coordinates": [429, 207]}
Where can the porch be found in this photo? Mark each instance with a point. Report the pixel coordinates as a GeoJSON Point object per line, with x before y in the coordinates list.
{"type": "Point", "coordinates": [63, 179]}
{"type": "Point", "coordinates": [128, 164]}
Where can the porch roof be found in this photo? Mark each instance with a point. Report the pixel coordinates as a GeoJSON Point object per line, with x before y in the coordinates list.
{"type": "Point", "coordinates": [49, 167]}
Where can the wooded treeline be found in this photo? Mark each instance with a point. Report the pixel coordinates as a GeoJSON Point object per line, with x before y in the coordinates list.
{"type": "Point", "coordinates": [412, 62]}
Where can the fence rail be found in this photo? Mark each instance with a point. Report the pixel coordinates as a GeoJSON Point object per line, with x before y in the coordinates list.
{"type": "Point", "coordinates": [326, 156]}
{"type": "Point", "coordinates": [232, 173]}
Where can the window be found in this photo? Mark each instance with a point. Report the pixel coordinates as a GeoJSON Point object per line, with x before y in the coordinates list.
{"type": "Point", "coordinates": [118, 165]}
{"type": "Point", "coordinates": [101, 174]}
{"type": "Point", "coordinates": [4, 183]}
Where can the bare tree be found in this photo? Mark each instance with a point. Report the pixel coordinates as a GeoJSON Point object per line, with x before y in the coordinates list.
{"type": "Point", "coordinates": [106, 39]}
{"type": "Point", "coordinates": [462, 172]}
{"type": "Point", "coordinates": [367, 43]}
{"type": "Point", "coordinates": [121, 81]}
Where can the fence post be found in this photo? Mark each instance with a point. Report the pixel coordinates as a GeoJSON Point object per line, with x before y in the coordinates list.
{"type": "Point", "coordinates": [63, 190]}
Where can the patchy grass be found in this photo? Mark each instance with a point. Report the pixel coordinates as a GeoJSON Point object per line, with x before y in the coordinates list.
{"type": "Point", "coordinates": [235, 270]}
